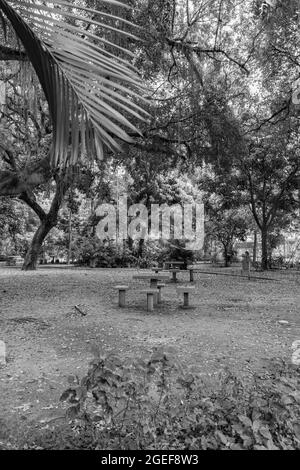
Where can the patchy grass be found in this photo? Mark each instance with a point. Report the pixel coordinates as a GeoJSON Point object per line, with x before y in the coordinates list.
{"type": "Point", "coordinates": [234, 325]}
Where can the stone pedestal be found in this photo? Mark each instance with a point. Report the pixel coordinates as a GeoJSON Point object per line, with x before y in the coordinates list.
{"type": "Point", "coordinates": [2, 353]}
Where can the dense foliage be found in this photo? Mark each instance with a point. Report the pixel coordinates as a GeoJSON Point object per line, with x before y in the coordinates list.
{"type": "Point", "coordinates": [155, 403]}
{"type": "Point", "coordinates": [221, 87]}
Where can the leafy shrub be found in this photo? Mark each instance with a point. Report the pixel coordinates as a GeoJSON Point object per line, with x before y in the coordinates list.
{"type": "Point", "coordinates": [152, 254]}
{"type": "Point", "coordinates": [176, 250]}
{"type": "Point", "coordinates": [157, 253]}
{"type": "Point", "coordinates": [156, 404]}
{"type": "Point", "coordinates": [96, 253]}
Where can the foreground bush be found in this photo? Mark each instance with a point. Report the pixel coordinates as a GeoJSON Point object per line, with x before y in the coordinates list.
{"type": "Point", "coordinates": [155, 404]}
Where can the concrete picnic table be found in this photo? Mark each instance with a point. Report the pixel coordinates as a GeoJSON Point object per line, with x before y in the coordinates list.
{"type": "Point", "coordinates": [193, 268]}
{"type": "Point", "coordinates": [174, 273]}
{"type": "Point", "coordinates": [154, 280]}
{"type": "Point", "coordinates": [153, 277]}
{"type": "Point", "coordinates": [14, 261]}
{"type": "Point", "coordinates": [157, 270]}
{"type": "Point", "coordinates": [173, 264]}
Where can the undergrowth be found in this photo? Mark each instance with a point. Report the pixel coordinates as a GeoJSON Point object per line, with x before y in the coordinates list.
{"type": "Point", "coordinates": [156, 404]}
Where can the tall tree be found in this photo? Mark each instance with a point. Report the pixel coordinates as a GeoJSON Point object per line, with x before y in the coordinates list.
{"type": "Point", "coordinates": [89, 84]}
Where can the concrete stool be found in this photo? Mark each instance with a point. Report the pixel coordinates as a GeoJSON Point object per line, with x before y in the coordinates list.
{"type": "Point", "coordinates": [159, 296]}
{"type": "Point", "coordinates": [150, 298]}
{"type": "Point", "coordinates": [186, 291]}
{"type": "Point", "coordinates": [153, 285]}
{"type": "Point", "coordinates": [174, 273]}
{"type": "Point", "coordinates": [122, 293]}
{"type": "Point", "coordinates": [2, 353]}
{"type": "Point", "coordinates": [191, 274]}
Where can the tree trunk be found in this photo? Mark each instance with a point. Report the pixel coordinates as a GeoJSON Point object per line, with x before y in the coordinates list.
{"type": "Point", "coordinates": [264, 248]}
{"type": "Point", "coordinates": [32, 255]}
{"type": "Point", "coordinates": [48, 221]}
{"type": "Point", "coordinates": [69, 254]}
{"type": "Point", "coordinates": [226, 256]}
{"type": "Point", "coordinates": [254, 247]}
{"type": "Point", "coordinates": [130, 243]}
{"type": "Point", "coordinates": [140, 247]}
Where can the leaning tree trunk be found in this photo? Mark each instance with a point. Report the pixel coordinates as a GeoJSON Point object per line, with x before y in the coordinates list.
{"type": "Point", "coordinates": [21, 184]}
{"type": "Point", "coordinates": [33, 253]}
{"type": "Point", "coordinates": [48, 221]}
{"type": "Point", "coordinates": [264, 248]}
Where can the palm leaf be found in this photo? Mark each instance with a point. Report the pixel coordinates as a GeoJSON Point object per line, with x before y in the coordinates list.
{"type": "Point", "coordinates": [88, 80]}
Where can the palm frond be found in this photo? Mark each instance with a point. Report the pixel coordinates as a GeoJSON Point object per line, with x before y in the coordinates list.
{"type": "Point", "coordinates": [88, 80]}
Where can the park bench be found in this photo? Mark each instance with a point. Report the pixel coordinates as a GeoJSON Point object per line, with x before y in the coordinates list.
{"type": "Point", "coordinates": [196, 267]}
{"type": "Point", "coordinates": [192, 270]}
{"type": "Point", "coordinates": [122, 295]}
{"type": "Point", "coordinates": [14, 261]}
{"type": "Point", "coordinates": [157, 270]}
{"type": "Point", "coordinates": [154, 278]}
{"type": "Point", "coordinates": [186, 290]}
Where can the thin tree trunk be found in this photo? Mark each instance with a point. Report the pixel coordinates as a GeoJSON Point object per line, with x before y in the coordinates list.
{"type": "Point", "coordinates": [254, 247]}
{"type": "Point", "coordinates": [69, 238]}
{"type": "Point", "coordinates": [140, 247]}
{"type": "Point", "coordinates": [264, 248]}
{"type": "Point", "coordinates": [226, 256]}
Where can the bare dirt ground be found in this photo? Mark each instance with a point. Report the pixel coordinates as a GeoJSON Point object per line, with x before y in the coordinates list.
{"type": "Point", "coordinates": [235, 324]}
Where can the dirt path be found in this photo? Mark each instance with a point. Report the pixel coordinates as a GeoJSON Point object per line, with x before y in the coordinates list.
{"type": "Point", "coordinates": [234, 324]}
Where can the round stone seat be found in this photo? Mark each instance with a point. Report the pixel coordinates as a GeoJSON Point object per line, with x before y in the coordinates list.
{"type": "Point", "coordinates": [151, 294]}
{"type": "Point", "coordinates": [122, 295]}
{"type": "Point", "coordinates": [160, 286]}
{"type": "Point", "coordinates": [186, 290]}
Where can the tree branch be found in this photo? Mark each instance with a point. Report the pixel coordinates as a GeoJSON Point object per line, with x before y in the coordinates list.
{"type": "Point", "coordinates": [14, 183]}
{"type": "Point", "coordinates": [186, 46]}
{"type": "Point", "coordinates": [286, 106]}
{"type": "Point", "coordinates": [29, 198]}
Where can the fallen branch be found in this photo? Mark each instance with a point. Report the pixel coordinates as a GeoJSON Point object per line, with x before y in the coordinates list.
{"type": "Point", "coordinates": [79, 310]}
